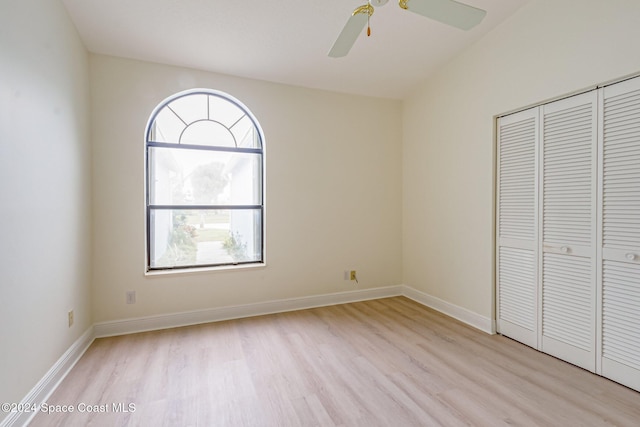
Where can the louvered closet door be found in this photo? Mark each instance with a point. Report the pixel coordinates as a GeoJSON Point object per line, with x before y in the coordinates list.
{"type": "Point", "coordinates": [621, 233]}
{"type": "Point", "coordinates": [517, 226]}
{"type": "Point", "coordinates": [568, 212]}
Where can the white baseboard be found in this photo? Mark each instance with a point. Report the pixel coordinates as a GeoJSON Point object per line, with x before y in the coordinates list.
{"type": "Point", "coordinates": [471, 318]}
{"type": "Point", "coordinates": [164, 321]}
{"type": "Point", "coordinates": [151, 323]}
{"type": "Point", "coordinates": [47, 385]}
{"type": "Point", "coordinates": [56, 374]}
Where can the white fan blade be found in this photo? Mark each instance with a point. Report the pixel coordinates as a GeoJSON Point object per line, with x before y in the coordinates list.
{"type": "Point", "coordinates": [348, 35]}
{"type": "Point", "coordinates": [448, 12]}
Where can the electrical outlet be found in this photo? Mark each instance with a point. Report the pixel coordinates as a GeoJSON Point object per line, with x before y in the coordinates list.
{"type": "Point", "coordinates": [352, 275]}
{"type": "Point", "coordinates": [70, 317]}
{"type": "Point", "coordinates": [131, 297]}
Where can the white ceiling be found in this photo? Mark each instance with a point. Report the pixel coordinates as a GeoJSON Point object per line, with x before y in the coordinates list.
{"type": "Point", "coordinates": [284, 41]}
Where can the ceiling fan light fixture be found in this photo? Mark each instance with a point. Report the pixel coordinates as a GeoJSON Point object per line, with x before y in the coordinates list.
{"type": "Point", "coordinates": [366, 9]}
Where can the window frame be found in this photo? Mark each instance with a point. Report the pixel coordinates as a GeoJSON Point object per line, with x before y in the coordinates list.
{"type": "Point", "coordinates": [151, 143]}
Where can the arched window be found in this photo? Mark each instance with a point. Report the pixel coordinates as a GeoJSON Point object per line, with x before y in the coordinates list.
{"type": "Point", "coordinates": [204, 183]}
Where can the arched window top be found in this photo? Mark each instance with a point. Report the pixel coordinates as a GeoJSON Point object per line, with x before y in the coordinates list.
{"type": "Point", "coordinates": [206, 118]}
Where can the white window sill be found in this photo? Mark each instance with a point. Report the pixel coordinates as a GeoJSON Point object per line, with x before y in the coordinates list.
{"type": "Point", "coordinates": [200, 270]}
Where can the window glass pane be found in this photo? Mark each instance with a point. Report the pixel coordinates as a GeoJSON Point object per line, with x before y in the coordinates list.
{"type": "Point", "coordinates": [224, 111]}
{"type": "Point", "coordinates": [196, 177]}
{"type": "Point", "coordinates": [167, 127]}
{"type": "Point", "coordinates": [245, 133]}
{"type": "Point", "coordinates": [190, 108]}
{"type": "Point", "coordinates": [207, 132]}
{"type": "Point", "coordinates": [188, 237]}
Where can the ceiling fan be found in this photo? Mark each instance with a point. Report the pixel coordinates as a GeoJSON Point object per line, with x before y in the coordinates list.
{"type": "Point", "coordinates": [448, 12]}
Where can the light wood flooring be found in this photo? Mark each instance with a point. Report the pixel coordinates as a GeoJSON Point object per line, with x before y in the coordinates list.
{"type": "Point", "coordinates": [388, 362]}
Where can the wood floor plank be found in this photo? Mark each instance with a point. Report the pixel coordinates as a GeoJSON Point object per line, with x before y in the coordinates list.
{"type": "Point", "coordinates": [388, 362]}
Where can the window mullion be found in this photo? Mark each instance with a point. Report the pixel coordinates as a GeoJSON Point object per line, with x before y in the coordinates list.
{"type": "Point", "coordinates": [204, 147]}
{"type": "Point", "coordinates": [205, 207]}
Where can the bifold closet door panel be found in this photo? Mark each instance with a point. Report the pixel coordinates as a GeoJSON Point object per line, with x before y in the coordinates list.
{"type": "Point", "coordinates": [621, 233]}
{"type": "Point", "coordinates": [568, 212]}
{"type": "Point", "coordinates": [516, 258]}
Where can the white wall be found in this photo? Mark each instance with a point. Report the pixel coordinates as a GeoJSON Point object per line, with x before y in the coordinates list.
{"type": "Point", "coordinates": [547, 49]}
{"type": "Point", "coordinates": [44, 191]}
{"type": "Point", "coordinates": [333, 192]}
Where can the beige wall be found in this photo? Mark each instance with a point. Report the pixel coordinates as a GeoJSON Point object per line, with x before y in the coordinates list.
{"type": "Point", "coordinates": [547, 49]}
{"type": "Point", "coordinates": [44, 191]}
{"type": "Point", "coordinates": [333, 192]}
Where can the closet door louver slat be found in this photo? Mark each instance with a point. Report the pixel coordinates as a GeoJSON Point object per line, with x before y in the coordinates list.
{"type": "Point", "coordinates": [517, 180]}
{"type": "Point", "coordinates": [518, 285]}
{"type": "Point", "coordinates": [568, 171]}
{"type": "Point", "coordinates": [567, 300]}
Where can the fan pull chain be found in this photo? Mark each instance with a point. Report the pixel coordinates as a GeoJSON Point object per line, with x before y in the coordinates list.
{"type": "Point", "coordinates": [368, 26]}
